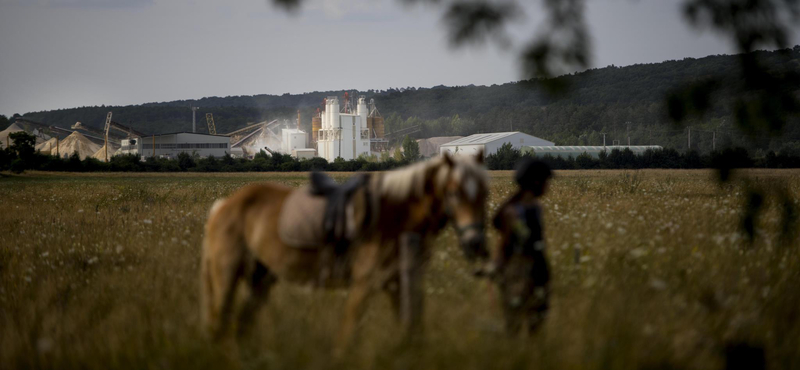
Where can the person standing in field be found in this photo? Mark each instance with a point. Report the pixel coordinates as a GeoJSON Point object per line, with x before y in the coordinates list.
{"type": "Point", "coordinates": [519, 265]}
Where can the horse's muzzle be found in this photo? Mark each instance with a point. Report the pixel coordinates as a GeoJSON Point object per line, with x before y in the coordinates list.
{"type": "Point", "coordinates": [474, 245]}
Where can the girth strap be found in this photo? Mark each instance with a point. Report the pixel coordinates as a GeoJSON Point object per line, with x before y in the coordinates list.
{"type": "Point", "coordinates": [339, 197]}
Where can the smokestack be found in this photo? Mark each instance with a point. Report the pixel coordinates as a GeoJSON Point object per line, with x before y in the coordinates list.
{"type": "Point", "coordinates": [194, 126]}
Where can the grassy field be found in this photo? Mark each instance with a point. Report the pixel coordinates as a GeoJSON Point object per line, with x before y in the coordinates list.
{"type": "Point", "coordinates": [650, 271]}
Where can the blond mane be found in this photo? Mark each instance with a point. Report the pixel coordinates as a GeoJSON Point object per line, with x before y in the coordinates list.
{"type": "Point", "coordinates": [409, 182]}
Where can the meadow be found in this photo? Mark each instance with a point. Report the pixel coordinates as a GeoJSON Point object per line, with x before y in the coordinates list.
{"type": "Point", "coordinates": [650, 271]}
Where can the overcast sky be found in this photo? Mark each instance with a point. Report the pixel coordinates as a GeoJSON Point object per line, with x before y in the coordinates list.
{"type": "Point", "coordinates": [69, 53]}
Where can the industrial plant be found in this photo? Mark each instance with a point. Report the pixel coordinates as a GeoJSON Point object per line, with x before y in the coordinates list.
{"type": "Point", "coordinates": [348, 130]}
{"type": "Point", "coordinates": [342, 132]}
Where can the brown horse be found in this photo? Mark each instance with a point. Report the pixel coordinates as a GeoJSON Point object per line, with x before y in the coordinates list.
{"type": "Point", "coordinates": [242, 241]}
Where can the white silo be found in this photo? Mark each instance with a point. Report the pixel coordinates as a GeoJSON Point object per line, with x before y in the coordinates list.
{"type": "Point", "coordinates": [334, 113]}
{"type": "Point", "coordinates": [327, 123]}
{"type": "Point", "coordinates": [362, 111]}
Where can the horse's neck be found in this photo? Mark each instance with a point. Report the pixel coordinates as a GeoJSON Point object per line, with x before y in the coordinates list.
{"type": "Point", "coordinates": [413, 213]}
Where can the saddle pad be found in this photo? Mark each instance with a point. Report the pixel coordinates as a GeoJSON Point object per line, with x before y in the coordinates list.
{"type": "Point", "coordinates": [300, 223]}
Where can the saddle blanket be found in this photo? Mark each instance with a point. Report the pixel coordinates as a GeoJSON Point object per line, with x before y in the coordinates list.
{"type": "Point", "coordinates": [300, 223]}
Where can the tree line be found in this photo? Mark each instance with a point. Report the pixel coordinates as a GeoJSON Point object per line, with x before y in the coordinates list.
{"type": "Point", "coordinates": [21, 156]}
{"type": "Point", "coordinates": [507, 157]}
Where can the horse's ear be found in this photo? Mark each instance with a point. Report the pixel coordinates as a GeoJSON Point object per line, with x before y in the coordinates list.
{"type": "Point", "coordinates": [448, 159]}
{"type": "Point", "coordinates": [479, 156]}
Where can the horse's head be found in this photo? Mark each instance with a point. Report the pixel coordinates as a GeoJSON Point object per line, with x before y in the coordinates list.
{"type": "Point", "coordinates": [465, 187]}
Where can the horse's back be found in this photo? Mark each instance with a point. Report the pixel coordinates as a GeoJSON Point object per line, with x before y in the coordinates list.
{"type": "Point", "coordinates": [247, 209]}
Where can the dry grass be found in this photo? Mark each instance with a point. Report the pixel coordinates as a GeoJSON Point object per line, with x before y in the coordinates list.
{"type": "Point", "coordinates": [100, 271]}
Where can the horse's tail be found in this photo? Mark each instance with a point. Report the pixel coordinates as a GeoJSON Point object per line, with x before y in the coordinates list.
{"type": "Point", "coordinates": [206, 289]}
{"type": "Point", "coordinates": [215, 207]}
{"type": "Point", "coordinates": [206, 280]}
{"type": "Point", "coordinates": [219, 268]}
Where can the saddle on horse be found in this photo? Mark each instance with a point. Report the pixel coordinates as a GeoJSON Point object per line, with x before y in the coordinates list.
{"type": "Point", "coordinates": [324, 213]}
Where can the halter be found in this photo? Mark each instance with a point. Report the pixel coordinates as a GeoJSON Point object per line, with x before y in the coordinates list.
{"type": "Point", "coordinates": [478, 226]}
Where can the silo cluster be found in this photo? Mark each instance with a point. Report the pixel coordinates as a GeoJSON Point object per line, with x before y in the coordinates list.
{"type": "Point", "coordinates": [344, 132]}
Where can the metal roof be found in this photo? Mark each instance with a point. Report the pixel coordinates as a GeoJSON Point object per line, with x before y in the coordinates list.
{"type": "Point", "coordinates": [183, 132]}
{"type": "Point", "coordinates": [481, 138]}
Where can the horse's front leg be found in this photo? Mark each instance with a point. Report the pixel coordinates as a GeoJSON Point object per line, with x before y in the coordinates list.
{"type": "Point", "coordinates": [356, 303]}
{"type": "Point", "coordinates": [411, 296]}
{"type": "Point", "coordinates": [363, 274]}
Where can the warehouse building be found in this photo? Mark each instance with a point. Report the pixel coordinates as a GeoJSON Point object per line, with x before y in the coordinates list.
{"type": "Point", "coordinates": [594, 151]}
{"type": "Point", "coordinates": [292, 139]}
{"type": "Point", "coordinates": [170, 145]}
{"type": "Point", "coordinates": [489, 143]}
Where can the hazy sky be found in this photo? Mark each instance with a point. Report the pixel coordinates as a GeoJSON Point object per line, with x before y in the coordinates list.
{"type": "Point", "coordinates": [68, 53]}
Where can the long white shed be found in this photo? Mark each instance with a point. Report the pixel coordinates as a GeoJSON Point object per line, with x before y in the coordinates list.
{"type": "Point", "coordinates": [491, 142]}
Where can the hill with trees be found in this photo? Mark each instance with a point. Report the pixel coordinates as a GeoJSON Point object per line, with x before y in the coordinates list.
{"type": "Point", "coordinates": [621, 102]}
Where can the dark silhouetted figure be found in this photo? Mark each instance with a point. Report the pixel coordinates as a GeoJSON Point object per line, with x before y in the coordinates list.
{"type": "Point", "coordinates": [520, 266]}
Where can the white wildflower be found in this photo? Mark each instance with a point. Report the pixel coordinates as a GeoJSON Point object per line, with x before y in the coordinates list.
{"type": "Point", "coordinates": [658, 284]}
{"type": "Point", "coordinates": [638, 252]}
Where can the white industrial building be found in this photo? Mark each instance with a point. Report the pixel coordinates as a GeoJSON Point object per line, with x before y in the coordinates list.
{"type": "Point", "coordinates": [170, 145]}
{"type": "Point", "coordinates": [344, 135]}
{"type": "Point", "coordinates": [489, 143]}
{"type": "Point", "coordinates": [292, 139]}
{"type": "Point", "coordinates": [306, 153]}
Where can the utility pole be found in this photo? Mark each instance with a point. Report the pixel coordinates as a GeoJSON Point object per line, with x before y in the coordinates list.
{"type": "Point", "coordinates": [604, 141]}
{"type": "Point", "coordinates": [105, 136]}
{"type": "Point", "coordinates": [713, 141]}
{"type": "Point", "coordinates": [690, 139]}
{"type": "Point", "coordinates": [194, 111]}
{"type": "Point", "coordinates": [627, 132]}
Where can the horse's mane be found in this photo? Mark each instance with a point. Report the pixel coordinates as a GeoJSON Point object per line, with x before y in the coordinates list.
{"type": "Point", "coordinates": [409, 182]}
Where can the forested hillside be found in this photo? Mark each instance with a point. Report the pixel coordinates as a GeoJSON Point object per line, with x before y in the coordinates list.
{"type": "Point", "coordinates": [612, 100]}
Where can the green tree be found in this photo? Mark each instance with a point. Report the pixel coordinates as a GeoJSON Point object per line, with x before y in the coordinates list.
{"type": "Point", "coordinates": [22, 147]}
{"type": "Point", "coordinates": [186, 161]}
{"type": "Point", "coordinates": [410, 149]}
{"type": "Point", "coordinates": [398, 154]}
{"type": "Point", "coordinates": [505, 158]}
{"type": "Point", "coordinates": [4, 122]}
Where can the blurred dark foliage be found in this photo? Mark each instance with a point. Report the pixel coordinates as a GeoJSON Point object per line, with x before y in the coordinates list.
{"type": "Point", "coordinates": [474, 22]}
{"type": "Point", "coordinates": [744, 356]}
{"type": "Point", "coordinates": [562, 48]}
{"type": "Point", "coordinates": [288, 5]}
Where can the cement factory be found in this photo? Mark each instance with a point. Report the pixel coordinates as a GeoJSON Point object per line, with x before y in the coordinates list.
{"type": "Point", "coordinates": [348, 130]}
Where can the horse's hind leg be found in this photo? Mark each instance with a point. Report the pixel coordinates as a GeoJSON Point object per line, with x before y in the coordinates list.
{"type": "Point", "coordinates": [259, 282]}
{"type": "Point", "coordinates": [221, 269]}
